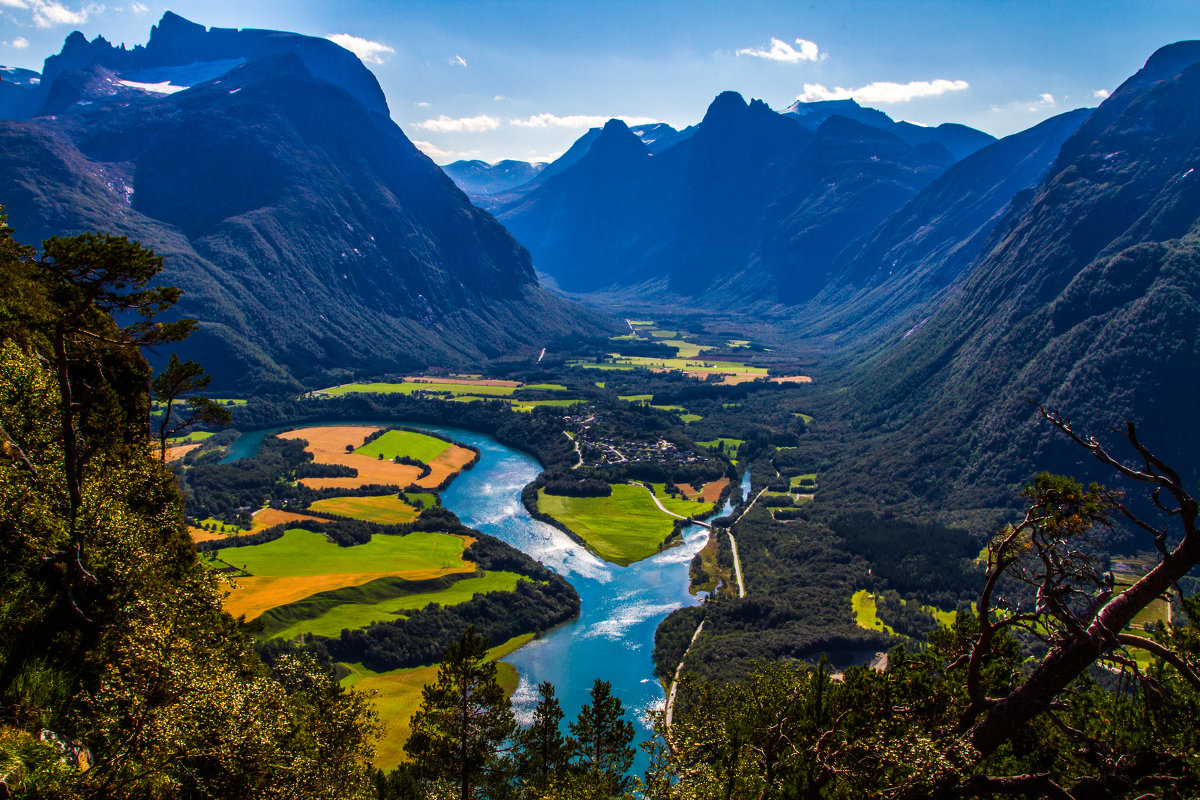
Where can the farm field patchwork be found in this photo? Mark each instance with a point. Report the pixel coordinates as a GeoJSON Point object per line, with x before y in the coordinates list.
{"type": "Point", "coordinates": [623, 528]}
{"type": "Point", "coordinates": [302, 563]}
{"type": "Point", "coordinates": [328, 446]}
{"type": "Point", "coordinates": [323, 615]}
{"type": "Point", "coordinates": [452, 386]}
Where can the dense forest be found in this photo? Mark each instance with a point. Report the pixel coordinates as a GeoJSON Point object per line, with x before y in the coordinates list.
{"type": "Point", "coordinates": [120, 675]}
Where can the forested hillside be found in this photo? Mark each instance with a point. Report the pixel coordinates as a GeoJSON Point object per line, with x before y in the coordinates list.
{"type": "Point", "coordinates": [1085, 299]}
{"type": "Point", "coordinates": [120, 675]}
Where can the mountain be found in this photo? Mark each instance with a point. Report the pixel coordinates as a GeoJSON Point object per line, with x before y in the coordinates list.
{"type": "Point", "coordinates": [888, 277]}
{"type": "Point", "coordinates": [656, 136]}
{"type": "Point", "coordinates": [478, 178]}
{"type": "Point", "coordinates": [1086, 298]}
{"type": "Point", "coordinates": [19, 92]}
{"type": "Point", "coordinates": [181, 53]}
{"type": "Point", "coordinates": [311, 238]}
{"type": "Point", "coordinates": [749, 206]}
{"type": "Point", "coordinates": [959, 140]}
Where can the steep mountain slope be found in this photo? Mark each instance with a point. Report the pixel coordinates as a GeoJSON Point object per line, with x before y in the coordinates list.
{"type": "Point", "coordinates": [849, 179]}
{"type": "Point", "coordinates": [311, 238]}
{"type": "Point", "coordinates": [889, 277]}
{"type": "Point", "coordinates": [751, 206]}
{"type": "Point", "coordinates": [1087, 298]}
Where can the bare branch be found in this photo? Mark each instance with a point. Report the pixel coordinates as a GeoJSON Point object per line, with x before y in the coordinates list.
{"type": "Point", "coordinates": [1165, 653]}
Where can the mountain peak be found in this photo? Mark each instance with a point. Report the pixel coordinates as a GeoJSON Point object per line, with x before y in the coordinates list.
{"type": "Point", "coordinates": [726, 104]}
{"type": "Point", "coordinates": [616, 140]}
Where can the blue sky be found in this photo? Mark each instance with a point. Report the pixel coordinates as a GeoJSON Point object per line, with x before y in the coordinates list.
{"type": "Point", "coordinates": [524, 78]}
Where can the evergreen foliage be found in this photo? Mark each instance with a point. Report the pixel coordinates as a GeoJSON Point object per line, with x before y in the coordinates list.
{"type": "Point", "coordinates": [119, 673]}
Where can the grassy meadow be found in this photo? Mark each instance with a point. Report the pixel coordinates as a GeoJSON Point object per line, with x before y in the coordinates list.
{"type": "Point", "coordinates": [623, 528]}
{"type": "Point", "coordinates": [405, 443]}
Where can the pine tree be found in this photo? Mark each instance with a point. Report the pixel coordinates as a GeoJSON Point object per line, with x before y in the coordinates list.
{"type": "Point", "coordinates": [464, 720]}
{"type": "Point", "coordinates": [543, 753]}
{"type": "Point", "coordinates": [603, 754]}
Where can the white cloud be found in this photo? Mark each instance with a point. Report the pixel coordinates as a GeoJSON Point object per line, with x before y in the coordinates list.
{"type": "Point", "coordinates": [457, 61]}
{"type": "Point", "coordinates": [371, 52]}
{"type": "Point", "coordinates": [1044, 101]}
{"type": "Point", "coordinates": [432, 150]}
{"type": "Point", "coordinates": [14, 3]}
{"type": "Point", "coordinates": [882, 92]}
{"type": "Point", "coordinates": [499, 97]}
{"type": "Point", "coordinates": [444, 124]}
{"type": "Point", "coordinates": [574, 121]}
{"type": "Point", "coordinates": [139, 8]}
{"type": "Point", "coordinates": [48, 14]}
{"type": "Point", "coordinates": [422, 104]}
{"type": "Point", "coordinates": [782, 51]}
{"type": "Point", "coordinates": [1101, 94]}
{"type": "Point", "coordinates": [19, 43]}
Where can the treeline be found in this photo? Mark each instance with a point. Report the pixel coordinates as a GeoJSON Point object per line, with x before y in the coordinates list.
{"type": "Point", "coordinates": [927, 560]}
{"type": "Point", "coordinates": [423, 637]}
{"type": "Point", "coordinates": [212, 489]}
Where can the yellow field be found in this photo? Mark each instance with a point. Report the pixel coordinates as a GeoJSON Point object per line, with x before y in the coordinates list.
{"type": "Point", "coordinates": [709, 492]}
{"type": "Point", "coordinates": [328, 446]}
{"type": "Point", "coordinates": [398, 696]}
{"type": "Point", "coordinates": [387, 509]}
{"type": "Point", "coordinates": [178, 451]}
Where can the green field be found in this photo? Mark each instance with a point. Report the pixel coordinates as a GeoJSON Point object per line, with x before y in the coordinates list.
{"type": "Point", "coordinates": [526, 405]}
{"type": "Point", "coordinates": [428, 500]}
{"type": "Point", "coordinates": [730, 445]}
{"type": "Point", "coordinates": [807, 480]}
{"type": "Point", "coordinates": [685, 349]}
{"type": "Point", "coordinates": [623, 528]}
{"type": "Point", "coordinates": [405, 443]}
{"type": "Point", "coordinates": [660, 334]}
{"type": "Point", "coordinates": [738, 343]}
{"type": "Point", "coordinates": [687, 364]}
{"type": "Point", "coordinates": [545, 387]}
{"type": "Point", "coordinates": [944, 618]}
{"type": "Point", "coordinates": [398, 695]}
{"type": "Point", "coordinates": [387, 509]}
{"type": "Point", "coordinates": [328, 613]}
{"type": "Point", "coordinates": [221, 526]}
{"type": "Point", "coordinates": [636, 398]}
{"type": "Point", "coordinates": [863, 603]}
{"type": "Point", "coordinates": [408, 387]}
{"type": "Point", "coordinates": [688, 419]}
{"type": "Point", "coordinates": [191, 438]}
{"type": "Point", "coordinates": [302, 553]}
{"type": "Point", "coordinates": [807, 419]}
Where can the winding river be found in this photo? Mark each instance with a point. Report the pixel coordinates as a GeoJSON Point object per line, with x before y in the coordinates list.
{"type": "Point", "coordinates": [613, 638]}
